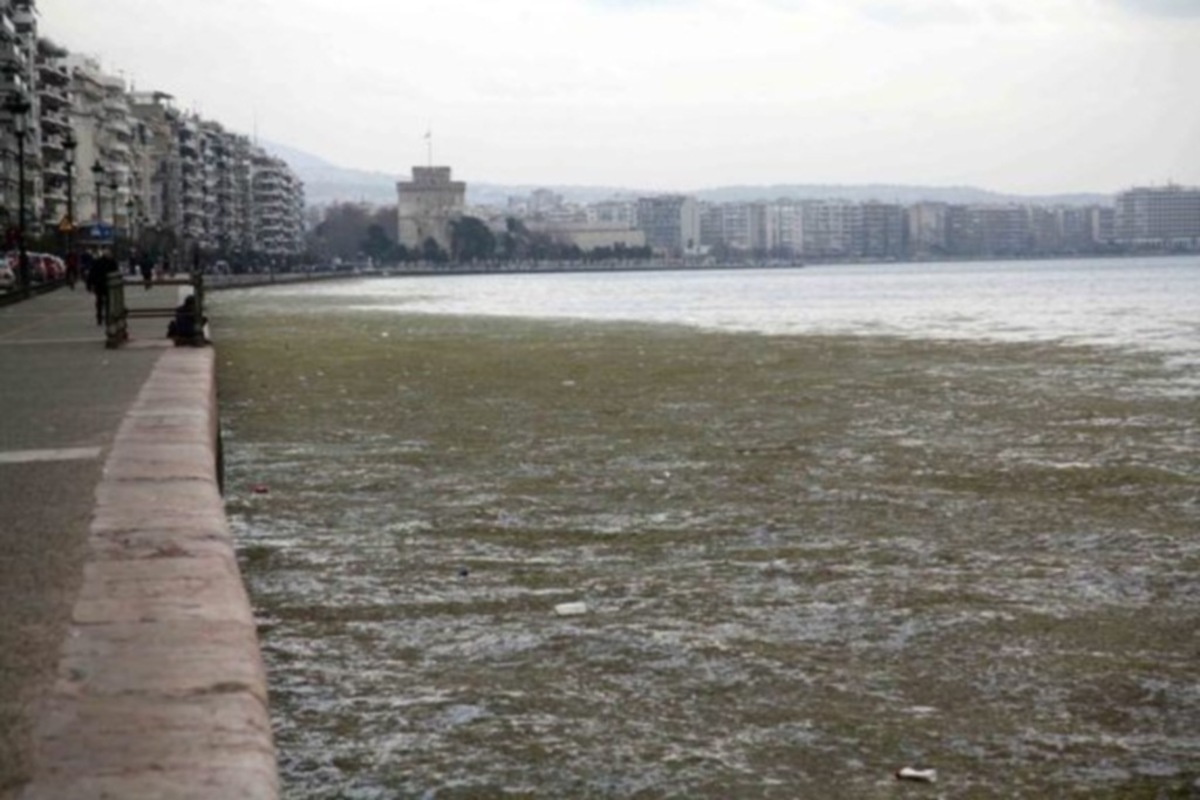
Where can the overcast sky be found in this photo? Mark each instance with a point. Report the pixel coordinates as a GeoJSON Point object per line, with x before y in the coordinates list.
{"type": "Point", "coordinates": [1025, 96]}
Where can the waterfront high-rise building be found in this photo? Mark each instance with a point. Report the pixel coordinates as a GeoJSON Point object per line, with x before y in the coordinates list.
{"type": "Point", "coordinates": [1166, 217]}
{"type": "Point", "coordinates": [162, 180]}
{"type": "Point", "coordinates": [278, 206]}
{"type": "Point", "coordinates": [927, 236]}
{"type": "Point", "coordinates": [19, 129]}
{"type": "Point", "coordinates": [54, 101]}
{"type": "Point", "coordinates": [786, 227]}
{"type": "Point", "coordinates": [671, 224]}
{"type": "Point", "coordinates": [831, 228]}
{"type": "Point", "coordinates": [884, 232]}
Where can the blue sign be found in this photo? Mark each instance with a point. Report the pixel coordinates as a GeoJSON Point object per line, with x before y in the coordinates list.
{"type": "Point", "coordinates": [100, 231]}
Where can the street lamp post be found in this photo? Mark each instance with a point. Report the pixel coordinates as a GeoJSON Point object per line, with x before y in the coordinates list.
{"type": "Point", "coordinates": [129, 229]}
{"type": "Point", "coordinates": [112, 201]}
{"type": "Point", "coordinates": [98, 181]}
{"type": "Point", "coordinates": [69, 144]}
{"type": "Point", "coordinates": [18, 106]}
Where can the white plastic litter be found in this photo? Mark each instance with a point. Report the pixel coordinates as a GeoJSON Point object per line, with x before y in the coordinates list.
{"type": "Point", "coordinates": [571, 609]}
{"type": "Point", "coordinates": [916, 774]}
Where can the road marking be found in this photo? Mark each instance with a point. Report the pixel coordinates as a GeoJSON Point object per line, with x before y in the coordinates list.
{"type": "Point", "coordinates": [31, 342]}
{"type": "Point", "coordinates": [65, 454]}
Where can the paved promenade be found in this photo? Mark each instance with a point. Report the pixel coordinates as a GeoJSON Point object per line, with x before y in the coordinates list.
{"type": "Point", "coordinates": [128, 661]}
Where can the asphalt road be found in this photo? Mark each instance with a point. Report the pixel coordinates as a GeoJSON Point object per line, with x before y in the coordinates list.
{"type": "Point", "coordinates": [62, 398]}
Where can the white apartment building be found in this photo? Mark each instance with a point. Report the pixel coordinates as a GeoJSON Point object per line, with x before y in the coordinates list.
{"type": "Point", "coordinates": [278, 212]}
{"type": "Point", "coordinates": [57, 138]}
{"type": "Point", "coordinates": [172, 183]}
{"type": "Point", "coordinates": [671, 224]}
{"type": "Point", "coordinates": [1166, 217]}
{"type": "Point", "coordinates": [102, 126]}
{"type": "Point", "coordinates": [613, 212]}
{"type": "Point", "coordinates": [829, 227]}
{"type": "Point", "coordinates": [19, 131]}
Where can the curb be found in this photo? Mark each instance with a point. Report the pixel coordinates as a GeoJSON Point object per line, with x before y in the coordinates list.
{"type": "Point", "coordinates": [160, 690]}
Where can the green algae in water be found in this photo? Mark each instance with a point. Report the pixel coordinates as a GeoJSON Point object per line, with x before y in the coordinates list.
{"type": "Point", "coordinates": [808, 560]}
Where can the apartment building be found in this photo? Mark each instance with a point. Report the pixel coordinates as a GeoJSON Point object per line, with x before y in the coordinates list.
{"type": "Point", "coordinates": [18, 114]}
{"type": "Point", "coordinates": [100, 120]}
{"type": "Point", "coordinates": [831, 228]}
{"type": "Point", "coordinates": [11, 87]}
{"type": "Point", "coordinates": [278, 210]}
{"type": "Point", "coordinates": [158, 168]}
{"type": "Point", "coordinates": [155, 178]}
{"type": "Point", "coordinates": [883, 232]}
{"type": "Point", "coordinates": [671, 224]}
{"type": "Point", "coordinates": [786, 228]}
{"type": "Point", "coordinates": [621, 213]}
{"type": "Point", "coordinates": [57, 139]}
{"type": "Point", "coordinates": [927, 234]}
{"type": "Point", "coordinates": [1166, 217]}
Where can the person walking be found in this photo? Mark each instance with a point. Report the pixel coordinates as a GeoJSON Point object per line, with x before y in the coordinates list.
{"type": "Point", "coordinates": [103, 265]}
{"type": "Point", "coordinates": [146, 267]}
{"type": "Point", "coordinates": [72, 269]}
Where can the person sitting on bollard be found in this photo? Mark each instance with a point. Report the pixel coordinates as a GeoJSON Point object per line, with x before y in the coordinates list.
{"type": "Point", "coordinates": [186, 328]}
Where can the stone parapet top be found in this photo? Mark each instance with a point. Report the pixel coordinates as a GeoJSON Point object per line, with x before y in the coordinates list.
{"type": "Point", "coordinates": [160, 690]}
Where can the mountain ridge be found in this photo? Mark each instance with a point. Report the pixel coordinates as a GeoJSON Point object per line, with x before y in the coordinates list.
{"type": "Point", "coordinates": [326, 183]}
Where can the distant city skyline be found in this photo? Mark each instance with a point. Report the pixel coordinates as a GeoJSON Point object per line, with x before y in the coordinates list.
{"type": "Point", "coordinates": [1014, 96]}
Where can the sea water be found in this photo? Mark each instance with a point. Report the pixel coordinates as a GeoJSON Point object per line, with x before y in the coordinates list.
{"type": "Point", "coordinates": [825, 523]}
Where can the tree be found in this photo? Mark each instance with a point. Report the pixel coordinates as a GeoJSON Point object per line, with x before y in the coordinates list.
{"type": "Point", "coordinates": [342, 231]}
{"type": "Point", "coordinates": [378, 246]}
{"type": "Point", "coordinates": [432, 252]}
{"type": "Point", "coordinates": [471, 240]}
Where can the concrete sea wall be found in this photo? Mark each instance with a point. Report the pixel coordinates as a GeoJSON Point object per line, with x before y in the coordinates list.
{"type": "Point", "coordinates": [160, 691]}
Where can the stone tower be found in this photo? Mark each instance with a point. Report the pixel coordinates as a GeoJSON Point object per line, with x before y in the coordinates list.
{"type": "Point", "coordinates": [427, 205]}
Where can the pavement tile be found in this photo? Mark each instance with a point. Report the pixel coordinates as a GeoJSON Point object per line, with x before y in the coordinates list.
{"type": "Point", "coordinates": [161, 590]}
{"type": "Point", "coordinates": [154, 660]}
{"type": "Point", "coordinates": [135, 460]}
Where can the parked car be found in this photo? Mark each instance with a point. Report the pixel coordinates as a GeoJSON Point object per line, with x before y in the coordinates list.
{"type": "Point", "coordinates": [52, 267]}
{"type": "Point", "coordinates": [8, 277]}
{"type": "Point", "coordinates": [43, 268]}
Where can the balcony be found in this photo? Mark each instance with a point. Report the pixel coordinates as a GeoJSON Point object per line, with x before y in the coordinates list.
{"type": "Point", "coordinates": [119, 125]}
{"type": "Point", "coordinates": [53, 96]}
{"type": "Point", "coordinates": [55, 122]}
{"type": "Point", "coordinates": [116, 149]}
{"type": "Point", "coordinates": [53, 74]}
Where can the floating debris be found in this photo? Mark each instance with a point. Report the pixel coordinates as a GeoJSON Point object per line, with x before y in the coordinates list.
{"type": "Point", "coordinates": [571, 609]}
{"type": "Point", "coordinates": [917, 774]}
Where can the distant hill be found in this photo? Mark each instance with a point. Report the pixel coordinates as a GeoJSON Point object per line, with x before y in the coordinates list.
{"type": "Point", "coordinates": [326, 183]}
{"type": "Point", "coordinates": [890, 193]}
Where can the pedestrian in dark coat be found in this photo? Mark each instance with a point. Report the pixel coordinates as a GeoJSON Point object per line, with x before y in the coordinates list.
{"type": "Point", "coordinates": [103, 265]}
